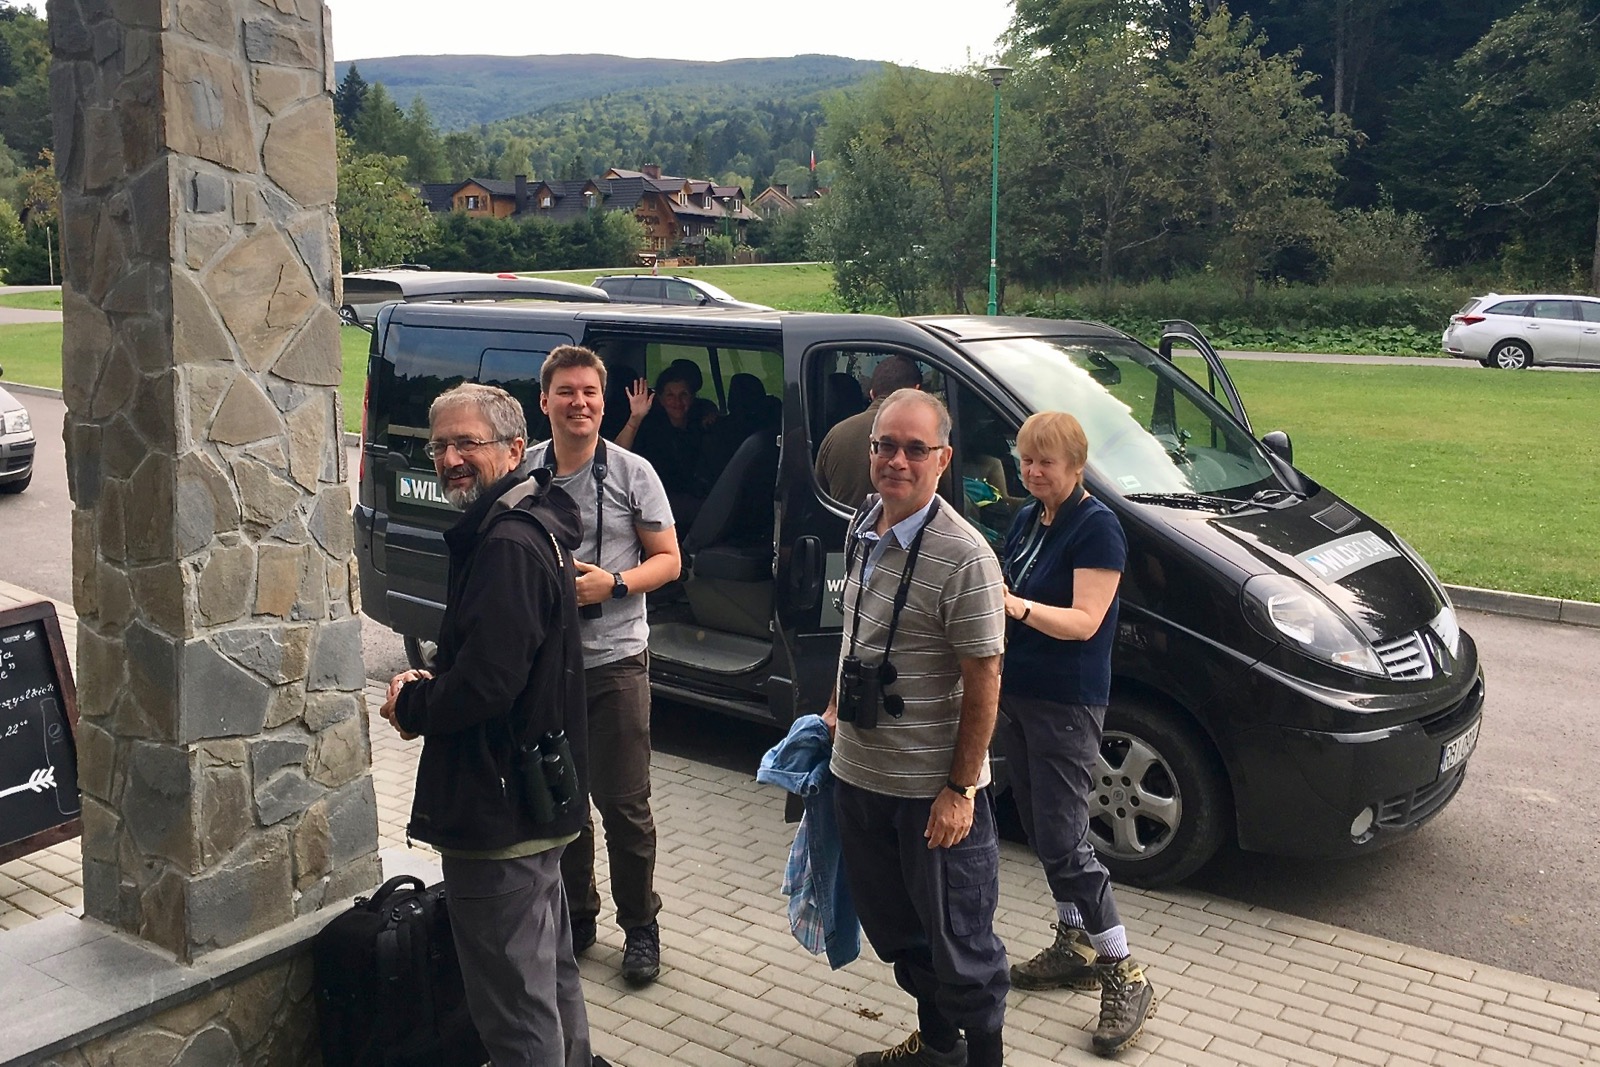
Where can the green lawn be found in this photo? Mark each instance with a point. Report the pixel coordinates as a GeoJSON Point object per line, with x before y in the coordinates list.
{"type": "Point", "coordinates": [34, 301]}
{"type": "Point", "coordinates": [1494, 477]}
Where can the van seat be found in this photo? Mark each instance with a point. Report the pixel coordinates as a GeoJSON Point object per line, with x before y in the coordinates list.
{"type": "Point", "coordinates": [734, 563]}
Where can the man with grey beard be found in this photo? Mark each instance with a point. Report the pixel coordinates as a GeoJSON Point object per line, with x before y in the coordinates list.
{"type": "Point", "coordinates": [505, 698]}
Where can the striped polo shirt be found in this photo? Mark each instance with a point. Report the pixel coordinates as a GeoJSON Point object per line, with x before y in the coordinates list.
{"type": "Point", "coordinates": [955, 610]}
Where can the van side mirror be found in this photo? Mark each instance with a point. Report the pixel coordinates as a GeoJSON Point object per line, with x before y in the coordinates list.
{"type": "Point", "coordinates": [1277, 442]}
{"type": "Point", "coordinates": [2, 372]}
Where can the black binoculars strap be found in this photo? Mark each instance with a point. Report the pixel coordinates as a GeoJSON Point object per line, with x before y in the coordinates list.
{"type": "Point", "coordinates": [599, 472]}
{"type": "Point", "coordinates": [901, 594]}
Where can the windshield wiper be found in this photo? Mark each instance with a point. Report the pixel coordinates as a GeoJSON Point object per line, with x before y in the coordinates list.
{"type": "Point", "coordinates": [1192, 501]}
{"type": "Point", "coordinates": [1269, 498]}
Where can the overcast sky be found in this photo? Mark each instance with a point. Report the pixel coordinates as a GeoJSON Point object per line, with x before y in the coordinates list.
{"type": "Point", "coordinates": [933, 34]}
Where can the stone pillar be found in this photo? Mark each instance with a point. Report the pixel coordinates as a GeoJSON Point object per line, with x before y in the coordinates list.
{"type": "Point", "coordinates": [223, 748]}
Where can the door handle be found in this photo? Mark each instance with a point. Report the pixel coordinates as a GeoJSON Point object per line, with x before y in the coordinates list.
{"type": "Point", "coordinates": [805, 571]}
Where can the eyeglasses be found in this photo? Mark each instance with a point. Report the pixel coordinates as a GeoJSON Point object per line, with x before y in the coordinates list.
{"type": "Point", "coordinates": [464, 446]}
{"type": "Point", "coordinates": [916, 451]}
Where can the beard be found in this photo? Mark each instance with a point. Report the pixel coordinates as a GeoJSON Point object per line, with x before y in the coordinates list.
{"type": "Point", "coordinates": [465, 497]}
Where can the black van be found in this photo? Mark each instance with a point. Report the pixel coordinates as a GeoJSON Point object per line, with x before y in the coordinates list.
{"type": "Point", "coordinates": [1286, 670]}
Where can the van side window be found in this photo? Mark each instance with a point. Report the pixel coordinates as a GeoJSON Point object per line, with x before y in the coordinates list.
{"type": "Point", "coordinates": [837, 387]}
{"type": "Point", "coordinates": [516, 370]}
{"type": "Point", "coordinates": [986, 464]}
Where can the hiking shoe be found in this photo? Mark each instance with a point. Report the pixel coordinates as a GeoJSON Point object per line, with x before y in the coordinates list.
{"type": "Point", "coordinates": [913, 1053]}
{"type": "Point", "coordinates": [583, 935]}
{"type": "Point", "coordinates": [641, 954]}
{"type": "Point", "coordinates": [1067, 964]}
{"type": "Point", "coordinates": [1126, 1001]}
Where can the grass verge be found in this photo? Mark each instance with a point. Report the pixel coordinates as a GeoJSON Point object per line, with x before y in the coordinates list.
{"type": "Point", "coordinates": [1491, 476]}
{"type": "Point", "coordinates": [50, 301]}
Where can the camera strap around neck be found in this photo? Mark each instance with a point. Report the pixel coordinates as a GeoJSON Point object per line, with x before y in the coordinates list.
{"type": "Point", "coordinates": [1033, 546]}
{"type": "Point", "coordinates": [902, 592]}
{"type": "Point", "coordinates": [598, 469]}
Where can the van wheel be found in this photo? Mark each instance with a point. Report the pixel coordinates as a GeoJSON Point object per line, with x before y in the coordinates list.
{"type": "Point", "coordinates": [347, 315]}
{"type": "Point", "coordinates": [1510, 355]}
{"type": "Point", "coordinates": [1159, 806]}
{"type": "Point", "coordinates": [421, 654]}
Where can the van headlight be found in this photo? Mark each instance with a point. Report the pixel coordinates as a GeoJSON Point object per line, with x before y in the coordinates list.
{"type": "Point", "coordinates": [16, 421]}
{"type": "Point", "coordinates": [1448, 629]}
{"type": "Point", "coordinates": [1289, 610]}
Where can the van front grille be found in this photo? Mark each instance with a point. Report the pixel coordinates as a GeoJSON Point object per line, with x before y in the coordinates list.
{"type": "Point", "coordinates": [1409, 809]}
{"type": "Point", "coordinates": [1406, 658]}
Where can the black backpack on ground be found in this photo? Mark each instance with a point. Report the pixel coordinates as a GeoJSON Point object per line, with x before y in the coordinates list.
{"type": "Point", "coordinates": [389, 989]}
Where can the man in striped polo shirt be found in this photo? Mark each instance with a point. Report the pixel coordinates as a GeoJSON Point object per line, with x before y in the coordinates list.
{"type": "Point", "coordinates": [924, 609]}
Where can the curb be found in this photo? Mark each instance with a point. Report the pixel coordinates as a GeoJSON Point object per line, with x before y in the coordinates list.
{"type": "Point", "coordinates": [351, 440]}
{"type": "Point", "coordinates": [1492, 601]}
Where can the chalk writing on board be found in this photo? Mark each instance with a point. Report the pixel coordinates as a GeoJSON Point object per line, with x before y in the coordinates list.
{"type": "Point", "coordinates": [40, 780]}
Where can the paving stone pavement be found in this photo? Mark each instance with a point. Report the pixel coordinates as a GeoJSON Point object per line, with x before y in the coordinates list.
{"type": "Point", "coordinates": [1236, 985]}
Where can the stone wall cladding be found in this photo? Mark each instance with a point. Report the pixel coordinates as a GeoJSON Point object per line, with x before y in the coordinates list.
{"type": "Point", "coordinates": [267, 1020]}
{"type": "Point", "coordinates": [225, 739]}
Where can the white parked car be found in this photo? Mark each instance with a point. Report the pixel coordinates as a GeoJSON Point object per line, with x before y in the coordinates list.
{"type": "Point", "coordinates": [1516, 332]}
{"type": "Point", "coordinates": [16, 445]}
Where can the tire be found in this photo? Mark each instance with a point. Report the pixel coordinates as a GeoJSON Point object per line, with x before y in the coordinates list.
{"type": "Point", "coordinates": [347, 315]}
{"type": "Point", "coordinates": [1510, 355]}
{"type": "Point", "coordinates": [1160, 807]}
{"type": "Point", "coordinates": [19, 485]}
{"type": "Point", "coordinates": [420, 654]}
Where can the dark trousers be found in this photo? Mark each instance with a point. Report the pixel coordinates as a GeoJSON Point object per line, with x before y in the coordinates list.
{"type": "Point", "coordinates": [929, 912]}
{"type": "Point", "coordinates": [619, 782]}
{"type": "Point", "coordinates": [1051, 749]}
{"type": "Point", "coordinates": [509, 922]}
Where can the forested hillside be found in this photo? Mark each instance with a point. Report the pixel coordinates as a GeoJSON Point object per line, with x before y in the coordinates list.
{"type": "Point", "coordinates": [466, 91]}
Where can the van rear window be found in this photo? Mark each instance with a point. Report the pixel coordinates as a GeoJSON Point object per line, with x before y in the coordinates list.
{"type": "Point", "coordinates": [417, 363]}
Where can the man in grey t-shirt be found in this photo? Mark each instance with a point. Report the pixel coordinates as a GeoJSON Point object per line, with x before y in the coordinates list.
{"type": "Point", "coordinates": [629, 548]}
{"type": "Point", "coordinates": [923, 595]}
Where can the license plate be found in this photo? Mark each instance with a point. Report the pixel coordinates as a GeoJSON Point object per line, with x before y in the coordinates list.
{"type": "Point", "coordinates": [1459, 748]}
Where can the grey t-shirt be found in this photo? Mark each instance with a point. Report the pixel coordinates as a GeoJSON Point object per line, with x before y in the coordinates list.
{"type": "Point", "coordinates": [634, 499]}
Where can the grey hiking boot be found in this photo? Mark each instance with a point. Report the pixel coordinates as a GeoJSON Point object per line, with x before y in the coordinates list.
{"type": "Point", "coordinates": [913, 1053]}
{"type": "Point", "coordinates": [1126, 1001]}
{"type": "Point", "coordinates": [1067, 964]}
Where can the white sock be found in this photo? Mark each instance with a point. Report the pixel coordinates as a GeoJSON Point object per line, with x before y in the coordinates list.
{"type": "Point", "coordinates": [1067, 914]}
{"type": "Point", "coordinates": [1111, 945]}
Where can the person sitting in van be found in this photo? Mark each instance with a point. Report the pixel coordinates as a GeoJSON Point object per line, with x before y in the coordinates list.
{"type": "Point", "coordinates": [842, 465]}
{"type": "Point", "coordinates": [660, 428]}
{"type": "Point", "coordinates": [1063, 561]}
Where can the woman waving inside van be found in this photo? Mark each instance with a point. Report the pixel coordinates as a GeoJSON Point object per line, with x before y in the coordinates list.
{"type": "Point", "coordinates": [1063, 560]}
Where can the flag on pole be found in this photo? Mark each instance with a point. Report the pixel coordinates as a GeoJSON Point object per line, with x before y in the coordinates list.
{"type": "Point", "coordinates": [813, 160]}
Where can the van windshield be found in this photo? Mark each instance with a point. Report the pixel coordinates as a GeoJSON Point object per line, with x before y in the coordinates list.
{"type": "Point", "coordinates": [1151, 428]}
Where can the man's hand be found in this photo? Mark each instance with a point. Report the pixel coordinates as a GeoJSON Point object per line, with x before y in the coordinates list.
{"type": "Point", "coordinates": [594, 583]}
{"type": "Point", "coordinates": [830, 719]}
{"type": "Point", "coordinates": [387, 711]}
{"type": "Point", "coordinates": [950, 820]}
{"type": "Point", "coordinates": [398, 682]}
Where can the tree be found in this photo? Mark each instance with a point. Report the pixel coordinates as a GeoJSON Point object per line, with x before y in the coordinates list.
{"type": "Point", "coordinates": [1262, 155]}
{"type": "Point", "coordinates": [380, 126]}
{"type": "Point", "coordinates": [463, 155]}
{"type": "Point", "coordinates": [1542, 64]}
{"type": "Point", "coordinates": [380, 219]}
{"type": "Point", "coordinates": [24, 81]}
{"type": "Point", "coordinates": [868, 226]}
{"type": "Point", "coordinates": [421, 146]}
{"type": "Point", "coordinates": [347, 101]}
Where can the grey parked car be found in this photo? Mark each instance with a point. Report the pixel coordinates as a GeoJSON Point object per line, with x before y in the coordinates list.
{"type": "Point", "coordinates": [365, 291]}
{"type": "Point", "coordinates": [653, 289]}
{"type": "Point", "coordinates": [1516, 332]}
{"type": "Point", "coordinates": [16, 444]}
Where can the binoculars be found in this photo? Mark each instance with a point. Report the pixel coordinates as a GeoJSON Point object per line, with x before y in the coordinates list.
{"type": "Point", "coordinates": [549, 777]}
{"type": "Point", "coordinates": [861, 693]}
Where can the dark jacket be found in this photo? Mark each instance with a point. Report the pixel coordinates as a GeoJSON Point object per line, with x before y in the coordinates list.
{"type": "Point", "coordinates": [509, 665]}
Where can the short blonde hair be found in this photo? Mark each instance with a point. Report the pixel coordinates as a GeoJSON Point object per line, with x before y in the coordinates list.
{"type": "Point", "coordinates": [1055, 433]}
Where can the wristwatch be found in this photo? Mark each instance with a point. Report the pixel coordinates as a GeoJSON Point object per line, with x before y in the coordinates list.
{"type": "Point", "coordinates": [620, 588]}
{"type": "Point", "coordinates": [968, 791]}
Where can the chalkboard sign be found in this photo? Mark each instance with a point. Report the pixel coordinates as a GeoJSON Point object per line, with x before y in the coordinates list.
{"type": "Point", "coordinates": [39, 803]}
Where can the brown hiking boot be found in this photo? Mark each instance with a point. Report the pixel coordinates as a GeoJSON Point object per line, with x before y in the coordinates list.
{"type": "Point", "coordinates": [1067, 964]}
{"type": "Point", "coordinates": [913, 1053]}
{"type": "Point", "coordinates": [1126, 1001]}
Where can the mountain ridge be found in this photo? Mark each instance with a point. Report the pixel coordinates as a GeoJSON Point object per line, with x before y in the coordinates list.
{"type": "Point", "coordinates": [466, 91]}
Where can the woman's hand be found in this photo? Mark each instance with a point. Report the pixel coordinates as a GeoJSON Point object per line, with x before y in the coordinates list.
{"type": "Point", "coordinates": [1014, 606]}
{"type": "Point", "coordinates": [640, 397]}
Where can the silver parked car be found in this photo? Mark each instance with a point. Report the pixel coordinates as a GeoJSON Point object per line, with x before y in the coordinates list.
{"type": "Point", "coordinates": [1516, 332]}
{"type": "Point", "coordinates": [665, 289]}
{"type": "Point", "coordinates": [365, 291]}
{"type": "Point", "coordinates": [16, 444]}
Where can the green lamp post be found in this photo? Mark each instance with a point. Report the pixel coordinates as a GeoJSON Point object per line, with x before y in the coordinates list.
{"type": "Point", "coordinates": [995, 75]}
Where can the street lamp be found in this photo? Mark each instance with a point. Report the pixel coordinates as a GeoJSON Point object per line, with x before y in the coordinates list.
{"type": "Point", "coordinates": [995, 75]}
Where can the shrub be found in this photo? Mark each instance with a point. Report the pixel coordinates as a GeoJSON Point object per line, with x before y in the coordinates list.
{"type": "Point", "coordinates": [1378, 246]}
